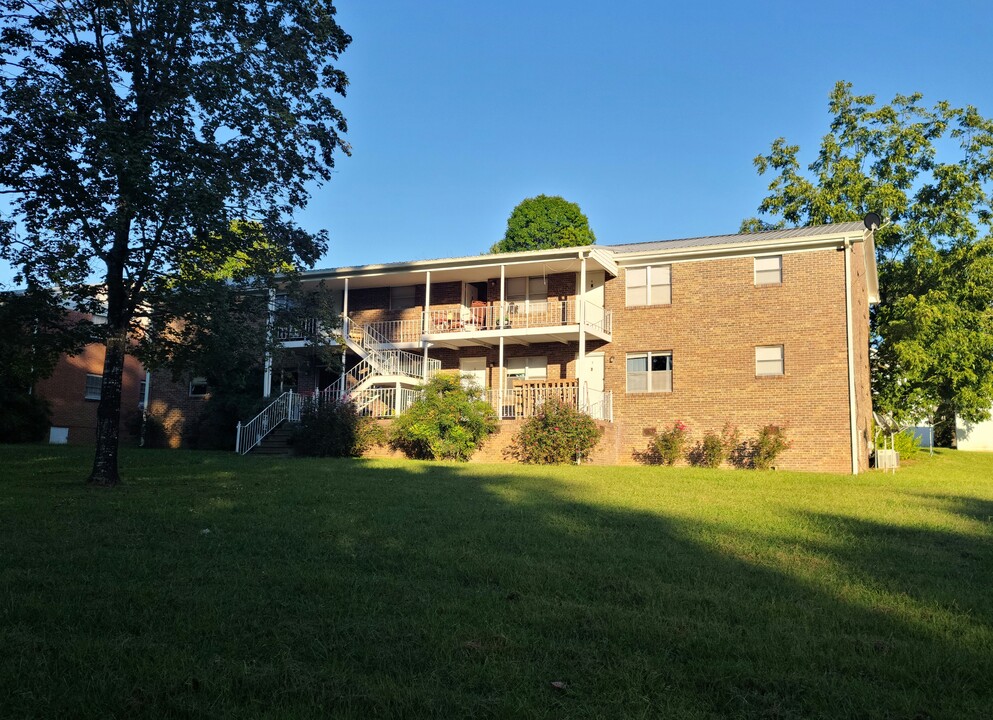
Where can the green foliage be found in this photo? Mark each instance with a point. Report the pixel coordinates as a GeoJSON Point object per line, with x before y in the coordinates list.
{"type": "Point", "coordinates": [334, 429]}
{"type": "Point", "coordinates": [448, 422]}
{"type": "Point", "coordinates": [667, 447]}
{"type": "Point", "coordinates": [907, 443]}
{"type": "Point", "coordinates": [545, 222]}
{"type": "Point", "coordinates": [23, 417]}
{"type": "Point", "coordinates": [770, 443]}
{"type": "Point", "coordinates": [558, 433]}
{"type": "Point", "coordinates": [929, 171]}
{"type": "Point", "coordinates": [709, 452]}
{"type": "Point", "coordinates": [35, 330]}
{"type": "Point", "coordinates": [133, 136]}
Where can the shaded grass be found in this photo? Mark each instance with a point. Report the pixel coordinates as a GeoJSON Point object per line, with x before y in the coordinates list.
{"type": "Point", "coordinates": [217, 586]}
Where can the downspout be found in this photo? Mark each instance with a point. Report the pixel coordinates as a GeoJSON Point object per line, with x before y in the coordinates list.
{"type": "Point", "coordinates": [851, 358]}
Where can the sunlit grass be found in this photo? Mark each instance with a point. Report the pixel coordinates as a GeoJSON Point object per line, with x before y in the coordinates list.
{"type": "Point", "coordinates": [217, 586]}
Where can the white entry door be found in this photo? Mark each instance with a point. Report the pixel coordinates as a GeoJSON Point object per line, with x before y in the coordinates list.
{"type": "Point", "coordinates": [475, 368]}
{"type": "Point", "coordinates": [591, 380]}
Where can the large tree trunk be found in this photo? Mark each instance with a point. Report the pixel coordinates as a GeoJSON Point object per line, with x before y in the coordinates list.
{"type": "Point", "coordinates": [105, 472]}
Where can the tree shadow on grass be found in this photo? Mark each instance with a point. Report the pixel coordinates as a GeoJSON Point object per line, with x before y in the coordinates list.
{"type": "Point", "coordinates": [365, 589]}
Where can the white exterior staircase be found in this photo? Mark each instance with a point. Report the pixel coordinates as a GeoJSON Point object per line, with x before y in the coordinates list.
{"type": "Point", "coordinates": [384, 377]}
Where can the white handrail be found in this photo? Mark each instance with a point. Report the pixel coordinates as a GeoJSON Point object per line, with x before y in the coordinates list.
{"type": "Point", "coordinates": [249, 435]}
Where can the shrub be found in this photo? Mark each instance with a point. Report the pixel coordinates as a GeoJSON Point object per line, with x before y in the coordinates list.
{"type": "Point", "coordinates": [557, 434]}
{"type": "Point", "coordinates": [907, 443]}
{"type": "Point", "coordinates": [710, 452]}
{"type": "Point", "coordinates": [770, 444]}
{"type": "Point", "coordinates": [216, 426]}
{"type": "Point", "coordinates": [149, 433]}
{"type": "Point", "coordinates": [333, 428]}
{"type": "Point", "coordinates": [23, 417]}
{"type": "Point", "coordinates": [667, 447]}
{"type": "Point", "coordinates": [448, 422]}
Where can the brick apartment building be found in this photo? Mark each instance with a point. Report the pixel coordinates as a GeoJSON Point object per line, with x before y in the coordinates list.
{"type": "Point", "coordinates": [751, 329]}
{"type": "Point", "coordinates": [73, 393]}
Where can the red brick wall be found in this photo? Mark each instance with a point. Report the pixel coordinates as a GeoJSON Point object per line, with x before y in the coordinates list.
{"type": "Point", "coordinates": [65, 389]}
{"type": "Point", "coordinates": [170, 402]}
{"type": "Point", "coordinates": [716, 319]}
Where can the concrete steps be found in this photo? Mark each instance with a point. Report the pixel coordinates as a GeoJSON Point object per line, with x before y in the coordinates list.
{"type": "Point", "coordinates": [277, 442]}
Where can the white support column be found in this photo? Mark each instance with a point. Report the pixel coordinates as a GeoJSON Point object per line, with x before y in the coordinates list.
{"type": "Point", "coordinates": [267, 372]}
{"type": "Point", "coordinates": [502, 311]}
{"type": "Point", "coordinates": [344, 327]}
{"type": "Point", "coordinates": [396, 400]}
{"type": "Point", "coordinates": [581, 365]}
{"type": "Point", "coordinates": [502, 382]}
{"type": "Point", "coordinates": [425, 323]}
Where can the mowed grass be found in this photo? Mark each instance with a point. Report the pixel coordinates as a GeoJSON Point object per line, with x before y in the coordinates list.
{"type": "Point", "coordinates": [211, 585]}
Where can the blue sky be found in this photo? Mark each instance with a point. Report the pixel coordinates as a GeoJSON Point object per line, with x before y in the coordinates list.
{"type": "Point", "coordinates": [647, 114]}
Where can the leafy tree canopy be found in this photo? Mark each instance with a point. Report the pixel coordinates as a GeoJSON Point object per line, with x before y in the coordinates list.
{"type": "Point", "coordinates": [545, 222]}
{"type": "Point", "coordinates": [928, 171]}
{"type": "Point", "coordinates": [132, 134]}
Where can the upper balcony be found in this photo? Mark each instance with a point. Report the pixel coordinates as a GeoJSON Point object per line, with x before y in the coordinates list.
{"type": "Point", "coordinates": [486, 323]}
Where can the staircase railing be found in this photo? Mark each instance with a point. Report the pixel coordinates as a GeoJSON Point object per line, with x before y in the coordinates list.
{"type": "Point", "coordinates": [249, 435]}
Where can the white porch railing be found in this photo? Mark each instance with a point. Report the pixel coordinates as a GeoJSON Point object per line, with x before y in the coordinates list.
{"type": "Point", "coordinates": [302, 329]}
{"type": "Point", "coordinates": [507, 315]}
{"type": "Point", "coordinates": [397, 331]}
{"type": "Point", "coordinates": [599, 319]}
{"type": "Point", "coordinates": [383, 402]}
{"type": "Point", "coordinates": [286, 407]}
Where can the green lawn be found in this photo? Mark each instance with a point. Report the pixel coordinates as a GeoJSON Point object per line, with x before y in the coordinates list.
{"type": "Point", "coordinates": [217, 586]}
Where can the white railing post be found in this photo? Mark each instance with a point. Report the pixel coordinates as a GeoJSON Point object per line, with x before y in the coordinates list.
{"type": "Point", "coordinates": [237, 438]}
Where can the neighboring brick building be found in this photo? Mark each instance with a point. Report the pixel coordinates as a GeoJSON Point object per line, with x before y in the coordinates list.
{"type": "Point", "coordinates": [754, 329]}
{"type": "Point", "coordinates": [73, 393]}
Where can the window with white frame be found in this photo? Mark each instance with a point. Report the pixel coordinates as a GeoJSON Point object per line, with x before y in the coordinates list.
{"type": "Point", "coordinates": [769, 270]}
{"type": "Point", "coordinates": [769, 360]}
{"type": "Point", "coordinates": [93, 385]}
{"type": "Point", "coordinates": [651, 285]}
{"type": "Point", "coordinates": [649, 372]}
{"type": "Point", "coordinates": [527, 368]}
{"type": "Point", "coordinates": [141, 394]}
{"type": "Point", "coordinates": [198, 387]}
{"type": "Point", "coordinates": [403, 297]}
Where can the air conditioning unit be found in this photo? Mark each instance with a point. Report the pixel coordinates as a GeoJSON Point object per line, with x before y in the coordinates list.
{"type": "Point", "coordinates": [887, 459]}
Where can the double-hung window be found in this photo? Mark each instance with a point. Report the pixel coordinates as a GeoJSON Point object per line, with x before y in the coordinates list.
{"type": "Point", "coordinates": [649, 372]}
{"type": "Point", "coordinates": [651, 285]}
{"type": "Point", "coordinates": [93, 385]}
{"type": "Point", "coordinates": [769, 270]}
{"type": "Point", "coordinates": [526, 289]}
{"type": "Point", "coordinates": [769, 360]}
{"type": "Point", "coordinates": [527, 368]}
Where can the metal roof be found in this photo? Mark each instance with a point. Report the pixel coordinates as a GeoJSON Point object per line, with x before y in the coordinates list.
{"type": "Point", "coordinates": [712, 240]}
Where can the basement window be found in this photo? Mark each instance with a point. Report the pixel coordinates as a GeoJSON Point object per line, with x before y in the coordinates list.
{"type": "Point", "coordinates": [198, 387]}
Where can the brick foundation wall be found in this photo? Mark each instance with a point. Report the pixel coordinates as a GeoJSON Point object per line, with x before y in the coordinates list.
{"type": "Point", "coordinates": [495, 449]}
{"type": "Point", "coordinates": [170, 403]}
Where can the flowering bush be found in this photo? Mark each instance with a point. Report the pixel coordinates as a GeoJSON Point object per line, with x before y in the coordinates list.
{"type": "Point", "coordinates": [667, 447]}
{"type": "Point", "coordinates": [709, 452]}
{"type": "Point", "coordinates": [770, 444]}
{"type": "Point", "coordinates": [557, 434]}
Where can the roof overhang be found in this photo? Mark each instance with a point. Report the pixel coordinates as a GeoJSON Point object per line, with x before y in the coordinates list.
{"type": "Point", "coordinates": [477, 268]}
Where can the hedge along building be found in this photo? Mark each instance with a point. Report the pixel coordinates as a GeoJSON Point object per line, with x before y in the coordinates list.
{"type": "Point", "coordinates": [752, 329]}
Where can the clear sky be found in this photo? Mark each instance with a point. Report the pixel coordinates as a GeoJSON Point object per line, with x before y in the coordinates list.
{"type": "Point", "coordinates": [647, 114]}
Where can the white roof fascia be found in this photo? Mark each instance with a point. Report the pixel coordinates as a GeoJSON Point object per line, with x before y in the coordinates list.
{"type": "Point", "coordinates": [441, 264]}
{"type": "Point", "coordinates": [736, 249]}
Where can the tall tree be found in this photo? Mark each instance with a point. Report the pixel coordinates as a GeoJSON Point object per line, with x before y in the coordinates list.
{"type": "Point", "coordinates": [927, 170]}
{"type": "Point", "coordinates": [132, 133]}
{"type": "Point", "coordinates": [545, 222]}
